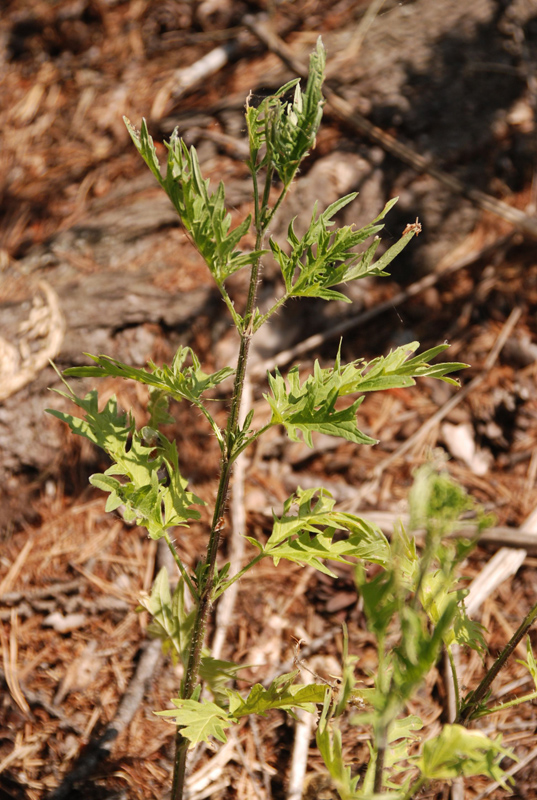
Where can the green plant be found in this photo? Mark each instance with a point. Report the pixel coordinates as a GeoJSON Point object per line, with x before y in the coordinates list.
{"type": "Point", "coordinates": [414, 595]}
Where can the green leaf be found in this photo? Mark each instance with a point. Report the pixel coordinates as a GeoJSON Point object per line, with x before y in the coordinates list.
{"type": "Point", "coordinates": [290, 128]}
{"type": "Point", "coordinates": [310, 407]}
{"type": "Point", "coordinates": [329, 742]}
{"type": "Point", "coordinates": [282, 693]}
{"type": "Point", "coordinates": [530, 663]}
{"type": "Point", "coordinates": [171, 622]}
{"type": "Point", "coordinates": [144, 144]}
{"type": "Point", "coordinates": [215, 674]}
{"type": "Point", "coordinates": [179, 381]}
{"type": "Point", "coordinates": [204, 214]}
{"type": "Point", "coordinates": [322, 259]}
{"type": "Point", "coordinates": [152, 489]}
{"type": "Point", "coordinates": [458, 751]}
{"type": "Point", "coordinates": [436, 593]}
{"type": "Point", "coordinates": [307, 537]}
{"type": "Point", "coordinates": [198, 720]}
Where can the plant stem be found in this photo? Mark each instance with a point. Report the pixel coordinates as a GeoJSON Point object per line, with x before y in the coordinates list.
{"type": "Point", "coordinates": [416, 786]}
{"type": "Point", "coordinates": [379, 763]}
{"type": "Point", "coordinates": [229, 454]}
{"type": "Point", "coordinates": [180, 566]}
{"type": "Point", "coordinates": [237, 577]}
{"type": "Point", "coordinates": [455, 678]}
{"type": "Point", "coordinates": [510, 704]}
{"type": "Point", "coordinates": [474, 699]}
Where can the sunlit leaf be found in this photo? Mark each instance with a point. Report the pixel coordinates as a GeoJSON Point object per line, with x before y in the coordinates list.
{"type": "Point", "coordinates": [199, 720]}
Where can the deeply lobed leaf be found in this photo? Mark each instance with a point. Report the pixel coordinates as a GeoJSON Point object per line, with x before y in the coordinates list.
{"type": "Point", "coordinates": [310, 406]}
{"type": "Point", "coordinates": [322, 259]}
{"type": "Point", "coordinates": [152, 489]}
{"type": "Point", "coordinates": [307, 537]}
{"type": "Point", "coordinates": [458, 751]}
{"type": "Point", "coordinates": [202, 213]}
{"type": "Point", "coordinates": [199, 720]}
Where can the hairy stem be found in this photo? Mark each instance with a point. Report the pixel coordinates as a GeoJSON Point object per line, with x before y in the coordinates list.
{"type": "Point", "coordinates": [229, 454]}
{"type": "Point", "coordinates": [473, 700]}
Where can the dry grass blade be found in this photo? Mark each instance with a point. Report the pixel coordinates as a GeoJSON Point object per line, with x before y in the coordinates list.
{"type": "Point", "coordinates": [10, 657]}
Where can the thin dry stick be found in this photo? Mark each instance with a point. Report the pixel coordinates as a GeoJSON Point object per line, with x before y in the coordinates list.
{"type": "Point", "coordinates": [60, 588]}
{"type": "Point", "coordinates": [347, 113]}
{"type": "Point", "coordinates": [318, 339]}
{"type": "Point", "coordinates": [504, 564]}
{"type": "Point", "coordinates": [454, 401]}
{"type": "Point", "coordinates": [501, 536]}
{"type": "Point", "coordinates": [246, 764]}
{"type": "Point", "coordinates": [10, 656]}
{"type": "Point", "coordinates": [254, 727]}
{"type": "Point", "coordinates": [301, 746]}
{"type": "Point", "coordinates": [16, 567]}
{"type": "Point", "coordinates": [352, 52]}
{"type": "Point", "coordinates": [206, 780]}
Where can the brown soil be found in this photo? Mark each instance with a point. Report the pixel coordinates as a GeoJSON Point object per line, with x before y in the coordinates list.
{"type": "Point", "coordinates": [92, 259]}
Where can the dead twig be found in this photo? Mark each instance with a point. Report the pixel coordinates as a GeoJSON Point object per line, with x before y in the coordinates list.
{"type": "Point", "coordinates": [99, 750]}
{"type": "Point", "coordinates": [55, 589]}
{"type": "Point", "coordinates": [502, 536]}
{"type": "Point", "coordinates": [10, 657]}
{"type": "Point", "coordinates": [301, 746]}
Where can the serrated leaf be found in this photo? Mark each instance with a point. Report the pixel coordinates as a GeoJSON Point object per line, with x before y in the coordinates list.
{"type": "Point", "coordinates": [180, 381]}
{"type": "Point", "coordinates": [152, 489]}
{"type": "Point", "coordinates": [310, 408]}
{"type": "Point", "coordinates": [282, 693]}
{"type": "Point", "coordinates": [307, 537]}
{"type": "Point", "coordinates": [290, 128]}
{"type": "Point", "coordinates": [322, 259]}
{"type": "Point", "coordinates": [171, 622]}
{"type": "Point", "coordinates": [203, 213]}
{"type": "Point", "coordinates": [199, 720]}
{"type": "Point", "coordinates": [458, 751]}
